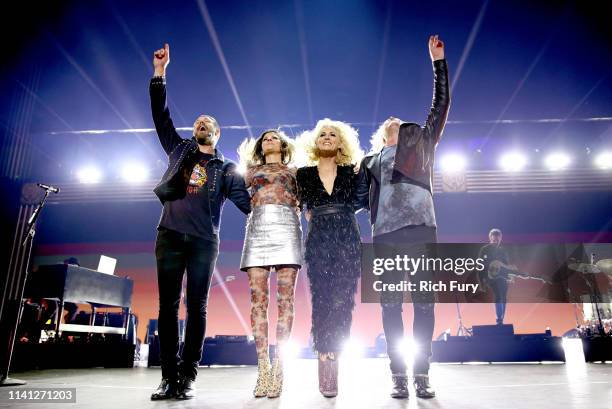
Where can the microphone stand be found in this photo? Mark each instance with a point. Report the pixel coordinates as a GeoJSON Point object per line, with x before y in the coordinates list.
{"type": "Point", "coordinates": [26, 243]}
{"type": "Point", "coordinates": [597, 296]}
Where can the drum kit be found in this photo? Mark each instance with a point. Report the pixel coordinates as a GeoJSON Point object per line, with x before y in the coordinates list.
{"type": "Point", "coordinates": [597, 314]}
{"type": "Point", "coordinates": [602, 266]}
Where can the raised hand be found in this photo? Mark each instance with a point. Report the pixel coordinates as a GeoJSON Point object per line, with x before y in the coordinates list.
{"type": "Point", "coordinates": [161, 59]}
{"type": "Point", "coordinates": [436, 48]}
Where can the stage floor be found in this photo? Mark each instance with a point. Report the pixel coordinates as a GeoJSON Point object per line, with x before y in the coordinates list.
{"type": "Point", "coordinates": [364, 383]}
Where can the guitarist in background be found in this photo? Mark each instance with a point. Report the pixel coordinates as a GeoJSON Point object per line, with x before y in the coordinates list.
{"type": "Point", "coordinates": [489, 253]}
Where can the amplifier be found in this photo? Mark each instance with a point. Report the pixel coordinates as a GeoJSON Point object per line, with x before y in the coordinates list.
{"type": "Point", "coordinates": [493, 330]}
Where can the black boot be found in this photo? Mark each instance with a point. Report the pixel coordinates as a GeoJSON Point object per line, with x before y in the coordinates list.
{"type": "Point", "coordinates": [400, 386]}
{"type": "Point", "coordinates": [422, 387]}
{"type": "Point", "coordinates": [166, 389]}
{"type": "Point", "coordinates": [186, 388]}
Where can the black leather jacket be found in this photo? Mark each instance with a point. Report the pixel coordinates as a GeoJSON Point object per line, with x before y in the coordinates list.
{"type": "Point", "coordinates": [416, 146]}
{"type": "Point", "coordinates": [225, 181]}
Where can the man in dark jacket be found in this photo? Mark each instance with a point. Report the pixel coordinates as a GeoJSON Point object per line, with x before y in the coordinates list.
{"type": "Point", "coordinates": [491, 252]}
{"type": "Point", "coordinates": [399, 172]}
{"type": "Point", "coordinates": [192, 191]}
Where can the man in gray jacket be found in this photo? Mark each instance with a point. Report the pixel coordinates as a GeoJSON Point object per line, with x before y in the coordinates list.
{"type": "Point", "coordinates": [399, 172]}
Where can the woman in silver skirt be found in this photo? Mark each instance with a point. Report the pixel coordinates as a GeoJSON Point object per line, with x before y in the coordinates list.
{"type": "Point", "coordinates": [273, 240]}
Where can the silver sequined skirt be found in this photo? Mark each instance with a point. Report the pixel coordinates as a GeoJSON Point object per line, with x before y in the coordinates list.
{"type": "Point", "coordinates": [273, 237]}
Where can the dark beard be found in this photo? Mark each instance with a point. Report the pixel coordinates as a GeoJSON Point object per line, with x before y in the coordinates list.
{"type": "Point", "coordinates": [205, 140]}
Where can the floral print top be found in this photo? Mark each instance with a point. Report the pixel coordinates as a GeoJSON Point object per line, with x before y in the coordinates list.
{"type": "Point", "coordinates": [272, 183]}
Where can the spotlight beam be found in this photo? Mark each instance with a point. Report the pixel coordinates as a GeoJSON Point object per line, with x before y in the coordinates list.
{"type": "Point", "coordinates": [230, 299]}
{"type": "Point", "coordinates": [23, 118]}
{"type": "Point", "coordinates": [215, 40]}
{"type": "Point", "coordinates": [468, 44]}
{"type": "Point", "coordinates": [42, 103]}
{"type": "Point", "coordinates": [517, 89]}
{"type": "Point", "coordinates": [381, 66]}
{"type": "Point", "coordinates": [572, 111]}
{"type": "Point", "coordinates": [605, 228]}
{"type": "Point", "coordinates": [299, 17]}
{"type": "Point", "coordinates": [528, 314]}
{"type": "Point", "coordinates": [604, 133]}
{"type": "Point", "coordinates": [53, 113]}
{"type": "Point", "coordinates": [99, 92]}
{"type": "Point", "coordinates": [12, 131]}
{"type": "Point", "coordinates": [143, 57]}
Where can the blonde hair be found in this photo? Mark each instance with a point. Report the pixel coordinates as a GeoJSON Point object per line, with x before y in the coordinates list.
{"type": "Point", "coordinates": [379, 138]}
{"type": "Point", "coordinates": [349, 151]}
{"type": "Point", "coordinates": [251, 154]}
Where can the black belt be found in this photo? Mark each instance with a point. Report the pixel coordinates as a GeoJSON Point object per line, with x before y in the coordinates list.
{"type": "Point", "coordinates": [332, 209]}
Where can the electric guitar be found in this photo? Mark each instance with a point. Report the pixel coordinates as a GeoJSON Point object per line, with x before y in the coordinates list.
{"type": "Point", "coordinates": [497, 269]}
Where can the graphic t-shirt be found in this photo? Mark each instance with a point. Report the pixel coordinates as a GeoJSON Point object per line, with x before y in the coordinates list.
{"type": "Point", "coordinates": [191, 214]}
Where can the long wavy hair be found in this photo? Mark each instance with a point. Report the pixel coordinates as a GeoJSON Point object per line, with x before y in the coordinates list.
{"type": "Point", "coordinates": [379, 138]}
{"type": "Point", "coordinates": [349, 151]}
{"type": "Point", "coordinates": [251, 153]}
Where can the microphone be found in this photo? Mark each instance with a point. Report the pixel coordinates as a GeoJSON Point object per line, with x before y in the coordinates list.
{"type": "Point", "coordinates": [52, 189]}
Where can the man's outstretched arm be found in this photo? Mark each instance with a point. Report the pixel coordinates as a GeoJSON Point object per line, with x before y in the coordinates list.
{"type": "Point", "coordinates": [434, 125]}
{"type": "Point", "coordinates": [166, 132]}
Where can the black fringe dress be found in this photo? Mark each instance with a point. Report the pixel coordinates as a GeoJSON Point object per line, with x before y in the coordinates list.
{"type": "Point", "coordinates": [333, 255]}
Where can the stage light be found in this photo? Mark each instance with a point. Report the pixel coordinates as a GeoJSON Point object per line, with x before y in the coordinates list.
{"type": "Point", "coordinates": [241, 168]}
{"type": "Point", "coordinates": [89, 175]}
{"type": "Point", "coordinates": [452, 163]}
{"type": "Point", "coordinates": [134, 173]}
{"type": "Point", "coordinates": [353, 348]}
{"type": "Point", "coordinates": [513, 161]}
{"type": "Point", "coordinates": [574, 353]}
{"type": "Point", "coordinates": [408, 348]}
{"type": "Point", "coordinates": [557, 161]}
{"type": "Point", "coordinates": [290, 350]}
{"type": "Point", "coordinates": [604, 160]}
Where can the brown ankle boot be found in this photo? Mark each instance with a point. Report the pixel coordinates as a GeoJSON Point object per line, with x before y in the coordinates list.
{"type": "Point", "coordinates": [328, 377]}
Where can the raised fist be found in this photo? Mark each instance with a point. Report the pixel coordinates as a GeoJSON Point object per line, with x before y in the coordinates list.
{"type": "Point", "coordinates": [436, 48]}
{"type": "Point", "coordinates": [161, 59]}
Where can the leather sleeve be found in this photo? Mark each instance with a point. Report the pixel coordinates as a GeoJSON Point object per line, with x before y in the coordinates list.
{"type": "Point", "coordinates": [434, 125]}
{"type": "Point", "coordinates": [361, 198]}
{"type": "Point", "coordinates": [166, 132]}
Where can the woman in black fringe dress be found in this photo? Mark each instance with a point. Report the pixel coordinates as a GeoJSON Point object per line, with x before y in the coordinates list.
{"type": "Point", "coordinates": [328, 190]}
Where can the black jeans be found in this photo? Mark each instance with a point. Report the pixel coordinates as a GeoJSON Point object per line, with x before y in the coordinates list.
{"type": "Point", "coordinates": [176, 252]}
{"type": "Point", "coordinates": [410, 240]}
